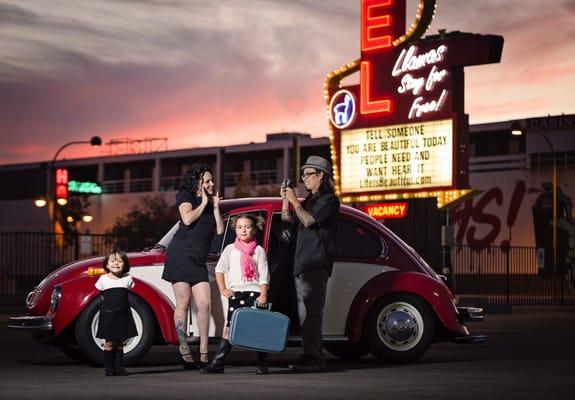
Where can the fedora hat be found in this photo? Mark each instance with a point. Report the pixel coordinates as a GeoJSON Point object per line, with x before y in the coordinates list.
{"type": "Point", "coordinates": [319, 163]}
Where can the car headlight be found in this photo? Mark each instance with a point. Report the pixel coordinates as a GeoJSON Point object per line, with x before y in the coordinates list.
{"type": "Point", "coordinates": [31, 299]}
{"type": "Point", "coordinates": [55, 299]}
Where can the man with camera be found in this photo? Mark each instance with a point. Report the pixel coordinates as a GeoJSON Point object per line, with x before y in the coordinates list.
{"type": "Point", "coordinates": [314, 253]}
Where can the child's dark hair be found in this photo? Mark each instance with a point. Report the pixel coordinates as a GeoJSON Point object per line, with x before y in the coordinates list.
{"type": "Point", "coordinates": [193, 177]}
{"type": "Point", "coordinates": [259, 222]}
{"type": "Point", "coordinates": [123, 256]}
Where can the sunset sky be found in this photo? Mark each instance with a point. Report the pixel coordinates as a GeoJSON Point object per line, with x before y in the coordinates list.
{"type": "Point", "coordinates": [218, 72]}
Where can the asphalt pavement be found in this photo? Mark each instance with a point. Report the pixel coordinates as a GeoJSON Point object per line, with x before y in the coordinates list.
{"type": "Point", "coordinates": [530, 355]}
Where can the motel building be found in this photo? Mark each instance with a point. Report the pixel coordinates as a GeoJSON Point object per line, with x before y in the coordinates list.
{"type": "Point", "coordinates": [509, 175]}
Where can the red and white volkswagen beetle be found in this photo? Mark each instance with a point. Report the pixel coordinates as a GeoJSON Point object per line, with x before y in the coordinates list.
{"type": "Point", "coordinates": [382, 297]}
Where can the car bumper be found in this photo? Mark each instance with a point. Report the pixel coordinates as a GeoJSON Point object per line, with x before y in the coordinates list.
{"type": "Point", "coordinates": [469, 314]}
{"type": "Point", "coordinates": [471, 339]}
{"type": "Point", "coordinates": [472, 314]}
{"type": "Point", "coordinates": [28, 323]}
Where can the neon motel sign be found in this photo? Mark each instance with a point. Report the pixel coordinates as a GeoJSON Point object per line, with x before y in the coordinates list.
{"type": "Point", "coordinates": [61, 189]}
{"type": "Point", "coordinates": [402, 132]}
{"type": "Point", "coordinates": [393, 210]}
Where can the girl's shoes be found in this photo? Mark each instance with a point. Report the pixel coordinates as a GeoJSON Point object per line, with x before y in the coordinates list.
{"type": "Point", "coordinates": [262, 363]}
{"type": "Point", "coordinates": [262, 371]}
{"type": "Point", "coordinates": [114, 362]}
{"type": "Point", "coordinates": [109, 363]}
{"type": "Point", "coordinates": [119, 363]}
{"type": "Point", "coordinates": [216, 366]}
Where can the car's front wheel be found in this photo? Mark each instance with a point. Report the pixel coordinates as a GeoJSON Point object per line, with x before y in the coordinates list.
{"type": "Point", "coordinates": [134, 348]}
{"type": "Point", "coordinates": [400, 328]}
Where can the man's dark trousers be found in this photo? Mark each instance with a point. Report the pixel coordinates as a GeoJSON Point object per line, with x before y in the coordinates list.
{"type": "Point", "coordinates": [311, 288]}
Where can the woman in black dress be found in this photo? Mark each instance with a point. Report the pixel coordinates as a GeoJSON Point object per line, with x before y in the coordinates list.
{"type": "Point", "coordinates": [185, 266]}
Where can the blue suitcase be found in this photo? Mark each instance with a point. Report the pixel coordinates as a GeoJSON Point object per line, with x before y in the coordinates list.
{"type": "Point", "coordinates": [259, 330]}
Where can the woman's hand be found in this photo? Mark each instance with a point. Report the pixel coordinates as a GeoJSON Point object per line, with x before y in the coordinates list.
{"type": "Point", "coordinates": [205, 197]}
{"type": "Point", "coordinates": [216, 199]}
{"type": "Point", "coordinates": [227, 293]}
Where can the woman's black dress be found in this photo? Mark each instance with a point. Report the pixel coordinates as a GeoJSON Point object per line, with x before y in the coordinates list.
{"type": "Point", "coordinates": [187, 253]}
{"type": "Point", "coordinates": [116, 323]}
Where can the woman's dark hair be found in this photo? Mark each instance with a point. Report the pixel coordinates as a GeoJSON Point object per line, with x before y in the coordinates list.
{"type": "Point", "coordinates": [123, 256]}
{"type": "Point", "coordinates": [193, 177]}
{"type": "Point", "coordinates": [259, 222]}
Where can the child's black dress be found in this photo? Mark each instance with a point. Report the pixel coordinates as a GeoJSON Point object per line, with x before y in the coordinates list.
{"type": "Point", "coordinates": [116, 323]}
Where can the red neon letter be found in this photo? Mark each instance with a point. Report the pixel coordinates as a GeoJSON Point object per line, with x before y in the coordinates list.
{"type": "Point", "coordinates": [61, 176]}
{"type": "Point", "coordinates": [61, 192]}
{"type": "Point", "coordinates": [366, 104]}
{"type": "Point", "coordinates": [376, 26]}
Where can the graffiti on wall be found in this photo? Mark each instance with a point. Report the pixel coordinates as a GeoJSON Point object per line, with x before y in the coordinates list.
{"type": "Point", "coordinates": [520, 215]}
{"type": "Point", "coordinates": [489, 219]}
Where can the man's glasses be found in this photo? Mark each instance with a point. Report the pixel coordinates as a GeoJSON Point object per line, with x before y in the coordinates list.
{"type": "Point", "coordinates": [306, 175]}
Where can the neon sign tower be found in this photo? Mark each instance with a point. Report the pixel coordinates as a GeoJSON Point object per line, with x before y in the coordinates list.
{"type": "Point", "coordinates": [402, 131]}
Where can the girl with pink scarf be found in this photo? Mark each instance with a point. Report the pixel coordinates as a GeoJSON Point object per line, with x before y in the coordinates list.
{"type": "Point", "coordinates": [242, 276]}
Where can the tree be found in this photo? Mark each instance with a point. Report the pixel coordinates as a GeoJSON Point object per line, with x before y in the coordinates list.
{"type": "Point", "coordinates": [146, 222]}
{"type": "Point", "coordinates": [244, 186]}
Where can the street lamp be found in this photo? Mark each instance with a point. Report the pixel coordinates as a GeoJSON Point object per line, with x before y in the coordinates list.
{"type": "Point", "coordinates": [517, 130]}
{"type": "Point", "coordinates": [51, 196]}
{"type": "Point", "coordinates": [40, 202]}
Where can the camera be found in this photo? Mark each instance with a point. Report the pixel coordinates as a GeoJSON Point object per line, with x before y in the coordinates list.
{"type": "Point", "coordinates": [287, 183]}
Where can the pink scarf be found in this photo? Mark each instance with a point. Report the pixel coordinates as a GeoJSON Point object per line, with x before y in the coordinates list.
{"type": "Point", "coordinates": [246, 261]}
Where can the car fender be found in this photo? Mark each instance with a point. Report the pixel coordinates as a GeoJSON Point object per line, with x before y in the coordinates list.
{"type": "Point", "coordinates": [433, 292]}
{"type": "Point", "coordinates": [78, 293]}
{"type": "Point", "coordinates": [161, 307]}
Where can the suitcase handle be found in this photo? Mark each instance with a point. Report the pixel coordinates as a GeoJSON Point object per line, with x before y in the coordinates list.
{"type": "Point", "coordinates": [259, 308]}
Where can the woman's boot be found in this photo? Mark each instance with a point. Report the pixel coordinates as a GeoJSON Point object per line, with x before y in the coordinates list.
{"type": "Point", "coordinates": [119, 362]}
{"type": "Point", "coordinates": [217, 363]}
{"type": "Point", "coordinates": [262, 363]}
{"type": "Point", "coordinates": [109, 363]}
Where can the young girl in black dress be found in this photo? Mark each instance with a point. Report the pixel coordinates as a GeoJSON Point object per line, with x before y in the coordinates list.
{"type": "Point", "coordinates": [116, 323]}
{"type": "Point", "coordinates": [185, 267]}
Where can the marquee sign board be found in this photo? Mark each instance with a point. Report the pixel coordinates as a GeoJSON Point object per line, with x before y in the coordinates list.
{"type": "Point", "coordinates": [403, 129]}
{"type": "Point", "coordinates": [397, 157]}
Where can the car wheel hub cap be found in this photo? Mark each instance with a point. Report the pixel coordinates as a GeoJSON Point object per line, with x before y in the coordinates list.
{"type": "Point", "coordinates": [400, 326]}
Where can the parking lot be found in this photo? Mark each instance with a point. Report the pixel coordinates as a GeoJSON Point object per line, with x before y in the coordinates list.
{"type": "Point", "coordinates": [530, 355]}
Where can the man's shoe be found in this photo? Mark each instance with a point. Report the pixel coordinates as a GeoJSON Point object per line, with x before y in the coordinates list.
{"type": "Point", "coordinates": [308, 364]}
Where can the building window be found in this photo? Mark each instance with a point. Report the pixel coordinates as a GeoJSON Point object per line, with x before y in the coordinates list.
{"type": "Point", "coordinates": [133, 177]}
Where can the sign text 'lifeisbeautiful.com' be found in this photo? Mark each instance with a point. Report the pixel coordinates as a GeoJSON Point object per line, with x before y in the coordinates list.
{"type": "Point", "coordinates": [406, 156]}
